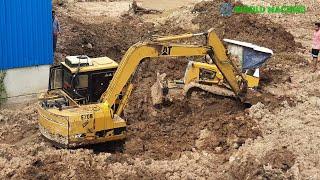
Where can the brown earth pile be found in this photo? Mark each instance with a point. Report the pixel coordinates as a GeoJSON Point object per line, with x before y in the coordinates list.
{"type": "Point", "coordinates": [274, 165]}
{"type": "Point", "coordinates": [162, 133]}
{"type": "Point", "coordinates": [108, 39]}
{"type": "Point", "coordinates": [17, 126]}
{"type": "Point", "coordinates": [113, 38]}
{"type": "Point", "coordinates": [244, 27]}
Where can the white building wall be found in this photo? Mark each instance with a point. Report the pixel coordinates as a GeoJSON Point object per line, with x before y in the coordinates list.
{"type": "Point", "coordinates": [25, 81]}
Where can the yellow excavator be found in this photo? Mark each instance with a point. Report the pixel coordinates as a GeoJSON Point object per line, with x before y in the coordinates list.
{"type": "Point", "coordinates": [86, 96]}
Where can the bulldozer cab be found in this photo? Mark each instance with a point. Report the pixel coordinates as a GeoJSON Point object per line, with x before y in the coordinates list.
{"type": "Point", "coordinates": [83, 79]}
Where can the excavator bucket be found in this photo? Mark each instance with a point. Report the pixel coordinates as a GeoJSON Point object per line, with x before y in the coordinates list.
{"type": "Point", "coordinates": [158, 90]}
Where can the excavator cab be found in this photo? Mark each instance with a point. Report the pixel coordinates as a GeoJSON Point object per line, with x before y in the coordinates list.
{"type": "Point", "coordinates": [70, 112]}
{"type": "Point", "coordinates": [81, 78]}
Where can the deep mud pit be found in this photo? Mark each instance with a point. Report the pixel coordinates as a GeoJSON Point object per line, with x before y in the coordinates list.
{"type": "Point", "coordinates": [204, 136]}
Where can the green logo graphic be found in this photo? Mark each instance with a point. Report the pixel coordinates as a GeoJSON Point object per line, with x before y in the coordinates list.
{"type": "Point", "coordinates": [226, 9]}
{"type": "Point", "coordinates": [296, 9]}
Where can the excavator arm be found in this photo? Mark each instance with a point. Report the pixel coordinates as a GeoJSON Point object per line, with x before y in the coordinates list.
{"type": "Point", "coordinates": [161, 47]}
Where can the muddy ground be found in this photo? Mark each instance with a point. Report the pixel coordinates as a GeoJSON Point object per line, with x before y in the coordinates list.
{"type": "Point", "coordinates": [204, 137]}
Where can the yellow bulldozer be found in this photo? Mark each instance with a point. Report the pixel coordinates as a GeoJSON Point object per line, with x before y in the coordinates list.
{"type": "Point", "coordinates": [86, 96]}
{"type": "Point", "coordinates": [198, 76]}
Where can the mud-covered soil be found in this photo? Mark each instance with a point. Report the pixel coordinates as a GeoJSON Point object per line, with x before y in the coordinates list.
{"type": "Point", "coordinates": [203, 137]}
{"type": "Point", "coordinates": [114, 37]}
{"type": "Point", "coordinates": [17, 126]}
{"type": "Point", "coordinates": [156, 130]}
{"type": "Point", "coordinates": [244, 27]}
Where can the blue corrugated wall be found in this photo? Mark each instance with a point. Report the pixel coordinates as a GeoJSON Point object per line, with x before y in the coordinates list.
{"type": "Point", "coordinates": [25, 33]}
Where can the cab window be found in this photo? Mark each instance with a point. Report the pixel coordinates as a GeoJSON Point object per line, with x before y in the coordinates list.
{"type": "Point", "coordinates": [67, 78]}
{"type": "Point", "coordinates": [81, 82]}
{"type": "Point", "coordinates": [55, 78]}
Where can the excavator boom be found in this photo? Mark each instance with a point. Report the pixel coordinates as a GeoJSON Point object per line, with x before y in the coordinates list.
{"type": "Point", "coordinates": [140, 51]}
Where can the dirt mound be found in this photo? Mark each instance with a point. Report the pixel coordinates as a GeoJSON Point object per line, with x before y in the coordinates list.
{"type": "Point", "coordinates": [277, 68]}
{"type": "Point", "coordinates": [165, 133]}
{"type": "Point", "coordinates": [113, 38]}
{"type": "Point", "coordinates": [17, 126]}
{"type": "Point", "coordinates": [280, 159]}
{"type": "Point", "coordinates": [290, 135]}
{"type": "Point", "coordinates": [36, 160]}
{"type": "Point", "coordinates": [244, 27]}
{"type": "Point", "coordinates": [110, 38]}
{"type": "Point", "coordinates": [274, 165]}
